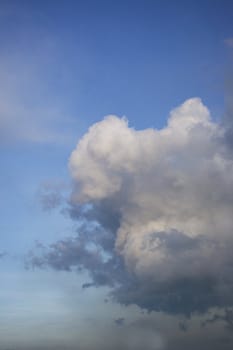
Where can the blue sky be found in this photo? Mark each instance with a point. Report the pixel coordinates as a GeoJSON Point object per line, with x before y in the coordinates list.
{"type": "Point", "coordinates": [64, 66]}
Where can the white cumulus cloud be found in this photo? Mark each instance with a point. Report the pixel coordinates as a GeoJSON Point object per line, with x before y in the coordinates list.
{"type": "Point", "coordinates": [156, 208]}
{"type": "Point", "coordinates": [177, 179]}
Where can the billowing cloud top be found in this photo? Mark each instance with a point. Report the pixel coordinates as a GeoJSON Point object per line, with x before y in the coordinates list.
{"type": "Point", "coordinates": [164, 200]}
{"type": "Point", "coordinates": [177, 178]}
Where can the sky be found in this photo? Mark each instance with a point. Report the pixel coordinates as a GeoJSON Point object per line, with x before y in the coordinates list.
{"type": "Point", "coordinates": [116, 181]}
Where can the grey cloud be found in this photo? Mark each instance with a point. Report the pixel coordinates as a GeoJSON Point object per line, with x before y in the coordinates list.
{"type": "Point", "coordinates": [119, 321]}
{"type": "Point", "coordinates": [52, 194]}
{"type": "Point", "coordinates": [86, 251]}
{"type": "Point", "coordinates": [105, 212]}
{"type": "Point", "coordinates": [226, 316]}
{"type": "Point", "coordinates": [183, 333]}
{"type": "Point", "coordinates": [51, 200]}
{"type": "Point", "coordinates": [227, 120]}
{"type": "Point", "coordinates": [87, 285]}
{"type": "Point", "coordinates": [202, 342]}
{"type": "Point", "coordinates": [174, 293]}
{"type": "Point", "coordinates": [131, 338]}
{"type": "Point", "coordinates": [183, 326]}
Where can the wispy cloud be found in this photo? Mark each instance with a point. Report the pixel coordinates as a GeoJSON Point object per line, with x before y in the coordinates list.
{"type": "Point", "coordinates": [229, 42]}
{"type": "Point", "coordinates": [29, 109]}
{"type": "Point", "coordinates": [2, 254]}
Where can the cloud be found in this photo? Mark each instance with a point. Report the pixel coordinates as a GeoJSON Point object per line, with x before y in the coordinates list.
{"type": "Point", "coordinates": [28, 111]}
{"type": "Point", "coordinates": [183, 326]}
{"type": "Point", "coordinates": [229, 42]}
{"type": "Point", "coordinates": [226, 317]}
{"type": "Point", "coordinates": [119, 321]}
{"type": "Point", "coordinates": [228, 115]}
{"type": "Point", "coordinates": [90, 250]}
{"type": "Point", "coordinates": [130, 337]}
{"type": "Point", "coordinates": [2, 254]}
{"type": "Point", "coordinates": [156, 209]}
{"type": "Point", "coordinates": [51, 194]}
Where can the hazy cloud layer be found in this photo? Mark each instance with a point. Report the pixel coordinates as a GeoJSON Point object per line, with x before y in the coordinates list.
{"type": "Point", "coordinates": [2, 254]}
{"type": "Point", "coordinates": [156, 208]}
{"type": "Point", "coordinates": [229, 42]}
{"type": "Point", "coordinates": [26, 112]}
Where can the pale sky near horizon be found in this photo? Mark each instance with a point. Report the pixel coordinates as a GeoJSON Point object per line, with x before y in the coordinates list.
{"type": "Point", "coordinates": [126, 244]}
